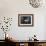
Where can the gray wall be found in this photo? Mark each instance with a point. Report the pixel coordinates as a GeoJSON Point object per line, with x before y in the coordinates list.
{"type": "Point", "coordinates": [11, 8]}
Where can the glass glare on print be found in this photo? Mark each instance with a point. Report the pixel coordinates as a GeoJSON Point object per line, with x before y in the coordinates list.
{"type": "Point", "coordinates": [25, 20]}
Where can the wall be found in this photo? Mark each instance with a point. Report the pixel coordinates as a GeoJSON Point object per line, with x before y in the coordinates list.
{"type": "Point", "coordinates": [11, 8]}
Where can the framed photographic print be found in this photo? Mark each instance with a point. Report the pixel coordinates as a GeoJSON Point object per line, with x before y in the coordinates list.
{"type": "Point", "coordinates": [25, 20]}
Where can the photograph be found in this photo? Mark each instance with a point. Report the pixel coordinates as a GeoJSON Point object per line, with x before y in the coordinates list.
{"type": "Point", "coordinates": [25, 19]}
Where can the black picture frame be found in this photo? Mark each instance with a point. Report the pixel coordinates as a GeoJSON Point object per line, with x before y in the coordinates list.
{"type": "Point", "coordinates": [25, 20]}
